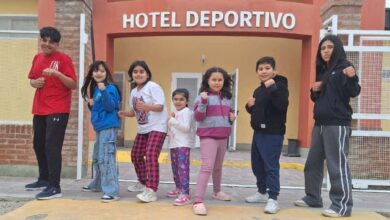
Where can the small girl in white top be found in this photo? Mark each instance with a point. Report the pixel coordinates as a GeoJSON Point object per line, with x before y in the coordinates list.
{"type": "Point", "coordinates": [147, 104]}
{"type": "Point", "coordinates": [181, 136]}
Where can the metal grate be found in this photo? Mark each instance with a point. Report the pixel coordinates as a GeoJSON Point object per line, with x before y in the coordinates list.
{"type": "Point", "coordinates": [370, 142]}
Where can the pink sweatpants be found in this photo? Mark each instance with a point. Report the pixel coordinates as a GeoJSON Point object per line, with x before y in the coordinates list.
{"type": "Point", "coordinates": [212, 154]}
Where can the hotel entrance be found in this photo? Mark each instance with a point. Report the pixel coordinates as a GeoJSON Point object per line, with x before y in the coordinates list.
{"type": "Point", "coordinates": [180, 61]}
{"type": "Point", "coordinates": [194, 36]}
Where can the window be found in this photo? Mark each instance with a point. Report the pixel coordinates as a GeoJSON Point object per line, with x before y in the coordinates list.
{"type": "Point", "coordinates": [18, 26]}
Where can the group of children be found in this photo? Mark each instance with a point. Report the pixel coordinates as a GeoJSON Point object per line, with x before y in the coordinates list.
{"type": "Point", "coordinates": [53, 77]}
{"type": "Point", "coordinates": [214, 117]}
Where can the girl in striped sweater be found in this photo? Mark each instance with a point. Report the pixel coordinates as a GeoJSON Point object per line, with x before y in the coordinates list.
{"type": "Point", "coordinates": [214, 118]}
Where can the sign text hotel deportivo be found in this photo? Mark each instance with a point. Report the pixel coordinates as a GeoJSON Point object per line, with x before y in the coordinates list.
{"type": "Point", "coordinates": [231, 19]}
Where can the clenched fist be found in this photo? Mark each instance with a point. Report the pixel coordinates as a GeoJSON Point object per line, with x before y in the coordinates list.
{"type": "Point", "coordinates": [251, 102]}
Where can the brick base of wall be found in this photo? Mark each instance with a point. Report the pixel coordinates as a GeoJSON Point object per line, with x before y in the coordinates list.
{"type": "Point", "coordinates": [17, 156]}
{"type": "Point", "coordinates": [16, 145]}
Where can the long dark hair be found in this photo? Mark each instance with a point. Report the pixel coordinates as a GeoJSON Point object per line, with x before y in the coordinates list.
{"type": "Point", "coordinates": [227, 82]}
{"type": "Point", "coordinates": [90, 84]}
{"type": "Point", "coordinates": [142, 64]}
{"type": "Point", "coordinates": [323, 69]}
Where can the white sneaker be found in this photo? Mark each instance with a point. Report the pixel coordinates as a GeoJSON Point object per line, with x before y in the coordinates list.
{"type": "Point", "coordinates": [331, 213]}
{"type": "Point", "coordinates": [257, 198]}
{"type": "Point", "coordinates": [148, 195]}
{"type": "Point", "coordinates": [138, 187]}
{"type": "Point", "coordinates": [272, 207]}
{"type": "Point", "coordinates": [301, 203]}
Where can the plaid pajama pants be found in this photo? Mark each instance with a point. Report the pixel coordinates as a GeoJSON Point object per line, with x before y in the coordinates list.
{"type": "Point", "coordinates": [144, 155]}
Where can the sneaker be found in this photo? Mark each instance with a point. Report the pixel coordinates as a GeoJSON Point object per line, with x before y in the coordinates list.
{"type": "Point", "coordinates": [272, 206]}
{"type": "Point", "coordinates": [89, 189]}
{"type": "Point", "coordinates": [107, 198]}
{"type": "Point", "coordinates": [148, 195]}
{"type": "Point", "coordinates": [199, 209]}
{"type": "Point", "coordinates": [301, 203]}
{"type": "Point", "coordinates": [173, 193]}
{"type": "Point", "coordinates": [182, 200]}
{"type": "Point", "coordinates": [257, 198]}
{"type": "Point", "coordinates": [49, 193]}
{"type": "Point", "coordinates": [332, 214]}
{"type": "Point", "coordinates": [38, 185]}
{"type": "Point", "coordinates": [221, 196]}
{"type": "Point", "coordinates": [138, 187]}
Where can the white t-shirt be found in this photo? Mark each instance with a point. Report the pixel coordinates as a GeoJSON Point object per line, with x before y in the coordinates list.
{"type": "Point", "coordinates": [151, 93]}
{"type": "Point", "coordinates": [181, 129]}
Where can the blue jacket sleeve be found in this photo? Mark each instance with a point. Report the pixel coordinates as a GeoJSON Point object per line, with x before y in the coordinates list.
{"type": "Point", "coordinates": [110, 98]}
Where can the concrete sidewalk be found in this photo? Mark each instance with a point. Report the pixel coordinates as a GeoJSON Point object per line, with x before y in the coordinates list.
{"type": "Point", "coordinates": [238, 181]}
{"type": "Point", "coordinates": [89, 209]}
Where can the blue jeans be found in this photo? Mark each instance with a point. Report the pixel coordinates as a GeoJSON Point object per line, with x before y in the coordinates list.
{"type": "Point", "coordinates": [104, 163]}
{"type": "Point", "coordinates": [266, 150]}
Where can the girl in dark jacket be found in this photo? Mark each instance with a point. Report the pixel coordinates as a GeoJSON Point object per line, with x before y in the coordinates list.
{"type": "Point", "coordinates": [336, 82]}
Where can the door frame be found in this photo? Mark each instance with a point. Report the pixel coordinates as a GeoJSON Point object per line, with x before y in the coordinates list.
{"type": "Point", "coordinates": [232, 145]}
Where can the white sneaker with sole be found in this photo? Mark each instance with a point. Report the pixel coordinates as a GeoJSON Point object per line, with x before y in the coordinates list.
{"type": "Point", "coordinates": [138, 187]}
{"type": "Point", "coordinates": [257, 198]}
{"type": "Point", "coordinates": [147, 196]}
{"type": "Point", "coordinates": [301, 203]}
{"type": "Point", "coordinates": [331, 213]}
{"type": "Point", "coordinates": [272, 207]}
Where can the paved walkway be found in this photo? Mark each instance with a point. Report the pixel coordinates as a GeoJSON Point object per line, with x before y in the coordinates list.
{"type": "Point", "coordinates": [92, 209]}
{"type": "Point", "coordinates": [238, 181]}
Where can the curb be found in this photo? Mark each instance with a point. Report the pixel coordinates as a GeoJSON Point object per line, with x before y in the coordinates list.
{"type": "Point", "coordinates": [124, 157]}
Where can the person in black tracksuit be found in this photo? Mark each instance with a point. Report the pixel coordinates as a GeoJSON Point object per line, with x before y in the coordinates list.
{"type": "Point", "coordinates": [336, 83]}
{"type": "Point", "coordinates": [268, 109]}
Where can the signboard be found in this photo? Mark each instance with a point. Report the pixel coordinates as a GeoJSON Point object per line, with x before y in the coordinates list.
{"type": "Point", "coordinates": [210, 19]}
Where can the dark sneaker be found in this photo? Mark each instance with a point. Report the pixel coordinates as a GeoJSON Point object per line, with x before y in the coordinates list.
{"type": "Point", "coordinates": [49, 193]}
{"type": "Point", "coordinates": [107, 198]}
{"type": "Point", "coordinates": [89, 189]}
{"type": "Point", "coordinates": [38, 185]}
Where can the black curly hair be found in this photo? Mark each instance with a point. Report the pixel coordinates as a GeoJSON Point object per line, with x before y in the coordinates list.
{"type": "Point", "coordinates": [226, 91]}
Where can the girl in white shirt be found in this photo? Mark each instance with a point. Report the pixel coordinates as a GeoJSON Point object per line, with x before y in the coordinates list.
{"type": "Point", "coordinates": [181, 136]}
{"type": "Point", "coordinates": [147, 104]}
